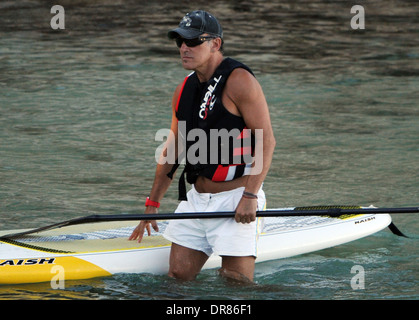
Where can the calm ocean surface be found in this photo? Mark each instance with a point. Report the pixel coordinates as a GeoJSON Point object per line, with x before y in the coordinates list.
{"type": "Point", "coordinates": [80, 107]}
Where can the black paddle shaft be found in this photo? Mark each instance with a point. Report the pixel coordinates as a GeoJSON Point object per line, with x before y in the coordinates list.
{"type": "Point", "coordinates": [331, 211]}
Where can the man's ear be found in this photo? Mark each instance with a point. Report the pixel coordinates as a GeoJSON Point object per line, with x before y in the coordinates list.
{"type": "Point", "coordinates": [216, 44]}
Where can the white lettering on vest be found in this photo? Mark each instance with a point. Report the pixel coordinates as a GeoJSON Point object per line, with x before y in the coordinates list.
{"type": "Point", "coordinates": [209, 99]}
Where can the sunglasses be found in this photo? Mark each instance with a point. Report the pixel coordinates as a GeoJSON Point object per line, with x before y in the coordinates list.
{"type": "Point", "coordinates": [193, 42]}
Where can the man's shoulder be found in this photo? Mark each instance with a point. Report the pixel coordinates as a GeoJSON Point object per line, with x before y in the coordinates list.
{"type": "Point", "coordinates": [241, 85]}
{"type": "Point", "coordinates": [241, 78]}
{"type": "Point", "coordinates": [241, 72]}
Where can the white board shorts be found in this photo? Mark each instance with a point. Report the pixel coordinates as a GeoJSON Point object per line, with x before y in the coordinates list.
{"type": "Point", "coordinates": [221, 236]}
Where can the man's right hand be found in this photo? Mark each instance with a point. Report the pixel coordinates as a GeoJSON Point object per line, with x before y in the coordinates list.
{"type": "Point", "coordinates": [138, 232]}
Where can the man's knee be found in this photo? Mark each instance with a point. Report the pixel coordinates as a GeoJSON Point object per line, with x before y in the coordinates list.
{"type": "Point", "coordinates": [185, 263]}
{"type": "Point", "coordinates": [234, 275]}
{"type": "Point", "coordinates": [238, 268]}
{"type": "Point", "coordinates": [181, 273]}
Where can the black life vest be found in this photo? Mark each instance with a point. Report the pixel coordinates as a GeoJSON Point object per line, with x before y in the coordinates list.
{"type": "Point", "coordinates": [228, 144]}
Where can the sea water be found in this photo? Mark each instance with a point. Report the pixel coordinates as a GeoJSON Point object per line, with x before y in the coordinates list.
{"type": "Point", "coordinates": [80, 108]}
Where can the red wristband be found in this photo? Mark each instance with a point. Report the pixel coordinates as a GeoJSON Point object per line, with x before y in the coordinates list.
{"type": "Point", "coordinates": [149, 202]}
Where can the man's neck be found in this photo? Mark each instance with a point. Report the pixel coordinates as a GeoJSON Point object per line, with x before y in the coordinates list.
{"type": "Point", "coordinates": [206, 71]}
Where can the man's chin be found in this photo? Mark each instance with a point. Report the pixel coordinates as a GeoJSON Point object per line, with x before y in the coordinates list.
{"type": "Point", "coordinates": [187, 66]}
{"type": "Point", "coordinates": [187, 63]}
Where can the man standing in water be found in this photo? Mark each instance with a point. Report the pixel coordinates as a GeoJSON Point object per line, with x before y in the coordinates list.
{"type": "Point", "coordinates": [220, 94]}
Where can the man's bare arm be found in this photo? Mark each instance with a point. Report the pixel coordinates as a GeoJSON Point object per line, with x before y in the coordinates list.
{"type": "Point", "coordinates": [247, 95]}
{"type": "Point", "coordinates": [161, 181]}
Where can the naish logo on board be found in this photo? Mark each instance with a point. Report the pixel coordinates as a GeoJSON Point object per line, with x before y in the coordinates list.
{"type": "Point", "coordinates": [364, 220]}
{"type": "Point", "coordinates": [26, 262]}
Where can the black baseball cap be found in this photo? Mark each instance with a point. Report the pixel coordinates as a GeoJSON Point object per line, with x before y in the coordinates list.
{"type": "Point", "coordinates": [196, 23]}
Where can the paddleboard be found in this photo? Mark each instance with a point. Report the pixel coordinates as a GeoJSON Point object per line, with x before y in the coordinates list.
{"type": "Point", "coordinates": [103, 249]}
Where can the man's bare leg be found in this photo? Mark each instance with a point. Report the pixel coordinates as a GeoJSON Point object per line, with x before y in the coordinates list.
{"type": "Point", "coordinates": [185, 263]}
{"type": "Point", "coordinates": [238, 268]}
